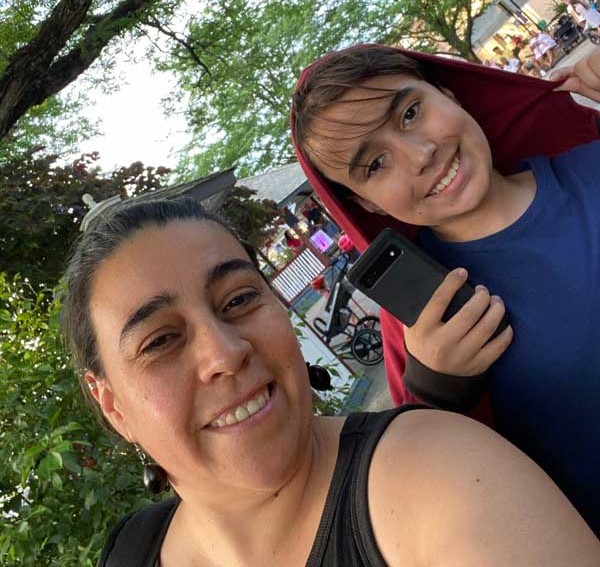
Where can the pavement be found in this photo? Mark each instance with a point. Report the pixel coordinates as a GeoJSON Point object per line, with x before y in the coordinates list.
{"type": "Point", "coordinates": [377, 396]}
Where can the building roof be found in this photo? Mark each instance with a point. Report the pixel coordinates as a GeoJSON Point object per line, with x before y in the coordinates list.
{"type": "Point", "coordinates": [279, 185]}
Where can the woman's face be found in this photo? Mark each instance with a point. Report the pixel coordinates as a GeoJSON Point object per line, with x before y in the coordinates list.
{"type": "Point", "coordinates": [428, 165]}
{"type": "Point", "coordinates": [202, 367]}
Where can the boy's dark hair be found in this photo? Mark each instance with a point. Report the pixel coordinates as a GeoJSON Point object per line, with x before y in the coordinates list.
{"type": "Point", "coordinates": [101, 239]}
{"type": "Point", "coordinates": [330, 78]}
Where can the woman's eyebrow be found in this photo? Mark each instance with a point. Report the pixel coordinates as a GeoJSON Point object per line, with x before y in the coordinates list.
{"type": "Point", "coordinates": [225, 268]}
{"type": "Point", "coordinates": [166, 299]}
{"type": "Point", "coordinates": [363, 148]}
{"type": "Point", "coordinates": [144, 311]}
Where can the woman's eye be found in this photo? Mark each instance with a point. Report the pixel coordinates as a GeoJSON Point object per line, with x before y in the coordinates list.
{"type": "Point", "coordinates": [158, 343]}
{"type": "Point", "coordinates": [241, 300]}
{"type": "Point", "coordinates": [374, 166]}
{"type": "Point", "coordinates": [411, 113]}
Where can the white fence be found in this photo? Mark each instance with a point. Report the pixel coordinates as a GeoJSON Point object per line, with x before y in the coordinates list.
{"type": "Point", "coordinates": [297, 275]}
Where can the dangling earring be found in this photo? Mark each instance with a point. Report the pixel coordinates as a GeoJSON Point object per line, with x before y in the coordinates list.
{"type": "Point", "coordinates": [155, 477]}
{"type": "Point", "coordinates": [318, 377]}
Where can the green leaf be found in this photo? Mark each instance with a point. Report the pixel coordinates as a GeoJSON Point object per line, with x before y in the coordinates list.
{"type": "Point", "coordinates": [56, 481]}
{"type": "Point", "coordinates": [90, 500]}
{"type": "Point", "coordinates": [51, 462]}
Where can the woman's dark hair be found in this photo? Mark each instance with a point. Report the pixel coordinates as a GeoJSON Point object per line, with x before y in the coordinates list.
{"type": "Point", "coordinates": [101, 239]}
{"type": "Point", "coordinates": [326, 82]}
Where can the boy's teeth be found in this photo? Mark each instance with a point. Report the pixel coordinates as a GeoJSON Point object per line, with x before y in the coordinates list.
{"type": "Point", "coordinates": [445, 181]}
{"type": "Point", "coordinates": [243, 411]}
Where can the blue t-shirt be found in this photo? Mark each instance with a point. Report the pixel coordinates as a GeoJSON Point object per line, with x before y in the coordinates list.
{"type": "Point", "coordinates": [546, 267]}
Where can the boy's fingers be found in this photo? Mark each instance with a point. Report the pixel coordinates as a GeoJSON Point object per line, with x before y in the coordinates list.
{"type": "Point", "coordinates": [469, 314]}
{"type": "Point", "coordinates": [486, 326]}
{"type": "Point", "coordinates": [441, 298]}
{"type": "Point", "coordinates": [560, 74]}
{"type": "Point", "coordinates": [492, 350]}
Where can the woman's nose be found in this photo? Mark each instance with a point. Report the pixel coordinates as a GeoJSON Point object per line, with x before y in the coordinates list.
{"type": "Point", "coordinates": [221, 351]}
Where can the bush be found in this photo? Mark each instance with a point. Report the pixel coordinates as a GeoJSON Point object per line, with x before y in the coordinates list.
{"type": "Point", "coordinates": [65, 481]}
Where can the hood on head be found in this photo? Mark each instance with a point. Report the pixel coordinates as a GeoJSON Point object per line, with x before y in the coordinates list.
{"type": "Point", "coordinates": [520, 116]}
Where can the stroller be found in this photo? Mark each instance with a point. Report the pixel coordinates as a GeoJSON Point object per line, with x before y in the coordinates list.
{"type": "Point", "coordinates": [567, 34]}
{"type": "Point", "coordinates": [360, 335]}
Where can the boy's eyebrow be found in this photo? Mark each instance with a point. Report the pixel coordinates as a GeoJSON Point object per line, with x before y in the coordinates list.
{"type": "Point", "coordinates": [166, 299]}
{"type": "Point", "coordinates": [363, 148]}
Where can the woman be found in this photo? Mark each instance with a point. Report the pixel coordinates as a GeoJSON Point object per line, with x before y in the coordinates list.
{"type": "Point", "coordinates": [394, 138]}
{"type": "Point", "coordinates": [189, 355]}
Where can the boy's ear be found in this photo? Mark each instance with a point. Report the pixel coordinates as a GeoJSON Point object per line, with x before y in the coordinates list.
{"type": "Point", "coordinates": [368, 205]}
{"type": "Point", "coordinates": [103, 393]}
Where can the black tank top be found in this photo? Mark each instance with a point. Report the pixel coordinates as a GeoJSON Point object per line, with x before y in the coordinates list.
{"type": "Point", "coordinates": [345, 535]}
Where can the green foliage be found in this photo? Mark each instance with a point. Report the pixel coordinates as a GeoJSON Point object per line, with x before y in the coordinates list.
{"type": "Point", "coordinates": [254, 220]}
{"type": "Point", "coordinates": [41, 208]}
{"type": "Point", "coordinates": [254, 52]}
{"type": "Point", "coordinates": [436, 25]}
{"type": "Point", "coordinates": [64, 482]}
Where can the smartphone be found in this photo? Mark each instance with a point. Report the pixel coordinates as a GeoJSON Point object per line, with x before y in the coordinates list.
{"type": "Point", "coordinates": [401, 278]}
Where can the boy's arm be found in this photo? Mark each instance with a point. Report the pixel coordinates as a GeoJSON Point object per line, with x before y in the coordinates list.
{"type": "Point", "coordinates": [582, 78]}
{"type": "Point", "coordinates": [446, 490]}
{"type": "Point", "coordinates": [447, 361]}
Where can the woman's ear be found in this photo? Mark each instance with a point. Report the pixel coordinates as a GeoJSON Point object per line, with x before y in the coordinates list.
{"type": "Point", "coordinates": [103, 393]}
{"type": "Point", "coordinates": [367, 205]}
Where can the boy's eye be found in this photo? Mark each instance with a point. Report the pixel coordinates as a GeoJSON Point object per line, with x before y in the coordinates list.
{"type": "Point", "coordinates": [411, 113]}
{"type": "Point", "coordinates": [374, 166]}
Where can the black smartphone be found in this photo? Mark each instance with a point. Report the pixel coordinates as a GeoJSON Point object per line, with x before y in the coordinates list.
{"type": "Point", "coordinates": [401, 278]}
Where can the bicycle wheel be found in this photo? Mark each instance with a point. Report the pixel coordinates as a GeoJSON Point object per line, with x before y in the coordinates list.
{"type": "Point", "coordinates": [367, 347]}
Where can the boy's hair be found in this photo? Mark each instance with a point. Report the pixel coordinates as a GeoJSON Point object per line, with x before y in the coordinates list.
{"type": "Point", "coordinates": [331, 77]}
{"type": "Point", "coordinates": [101, 239]}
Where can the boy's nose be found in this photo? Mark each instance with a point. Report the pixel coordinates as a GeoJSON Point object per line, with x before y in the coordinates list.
{"type": "Point", "coordinates": [221, 352]}
{"type": "Point", "coordinates": [419, 151]}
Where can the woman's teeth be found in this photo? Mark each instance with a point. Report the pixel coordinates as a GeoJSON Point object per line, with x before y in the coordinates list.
{"type": "Point", "coordinates": [447, 179]}
{"type": "Point", "coordinates": [243, 411]}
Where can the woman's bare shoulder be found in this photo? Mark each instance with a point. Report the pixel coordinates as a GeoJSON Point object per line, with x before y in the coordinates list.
{"type": "Point", "coordinates": [445, 489]}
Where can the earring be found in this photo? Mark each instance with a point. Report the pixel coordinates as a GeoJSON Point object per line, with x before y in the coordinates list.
{"type": "Point", "coordinates": [155, 477]}
{"type": "Point", "coordinates": [318, 377]}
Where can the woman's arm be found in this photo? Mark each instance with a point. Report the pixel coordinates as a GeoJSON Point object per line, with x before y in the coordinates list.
{"type": "Point", "coordinates": [446, 490]}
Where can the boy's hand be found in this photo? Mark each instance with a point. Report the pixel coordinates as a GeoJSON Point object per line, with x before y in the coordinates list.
{"type": "Point", "coordinates": [582, 78]}
{"type": "Point", "coordinates": [460, 346]}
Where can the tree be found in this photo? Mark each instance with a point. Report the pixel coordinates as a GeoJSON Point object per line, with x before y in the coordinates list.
{"type": "Point", "coordinates": [254, 220]}
{"type": "Point", "coordinates": [45, 45]}
{"type": "Point", "coordinates": [41, 208]}
{"type": "Point", "coordinates": [65, 481]}
{"type": "Point", "coordinates": [252, 54]}
{"type": "Point", "coordinates": [429, 25]}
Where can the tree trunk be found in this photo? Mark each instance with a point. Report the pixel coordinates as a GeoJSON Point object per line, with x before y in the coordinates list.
{"type": "Point", "coordinates": [34, 73]}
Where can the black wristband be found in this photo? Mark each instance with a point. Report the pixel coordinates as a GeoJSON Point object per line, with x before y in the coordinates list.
{"type": "Point", "coordinates": [444, 391]}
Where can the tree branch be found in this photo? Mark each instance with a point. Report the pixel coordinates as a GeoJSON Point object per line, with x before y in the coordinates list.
{"type": "Point", "coordinates": [34, 74]}
{"type": "Point", "coordinates": [184, 42]}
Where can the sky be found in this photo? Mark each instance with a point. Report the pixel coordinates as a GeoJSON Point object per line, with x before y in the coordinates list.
{"type": "Point", "coordinates": [131, 122]}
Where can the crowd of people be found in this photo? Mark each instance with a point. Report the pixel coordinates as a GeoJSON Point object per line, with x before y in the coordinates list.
{"type": "Point", "coordinates": [533, 53]}
{"type": "Point", "coordinates": [179, 341]}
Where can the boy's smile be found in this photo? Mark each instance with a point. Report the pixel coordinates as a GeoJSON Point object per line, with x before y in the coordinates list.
{"type": "Point", "coordinates": [408, 149]}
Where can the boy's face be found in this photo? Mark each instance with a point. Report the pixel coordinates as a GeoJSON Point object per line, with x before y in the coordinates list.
{"type": "Point", "coordinates": [429, 164]}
